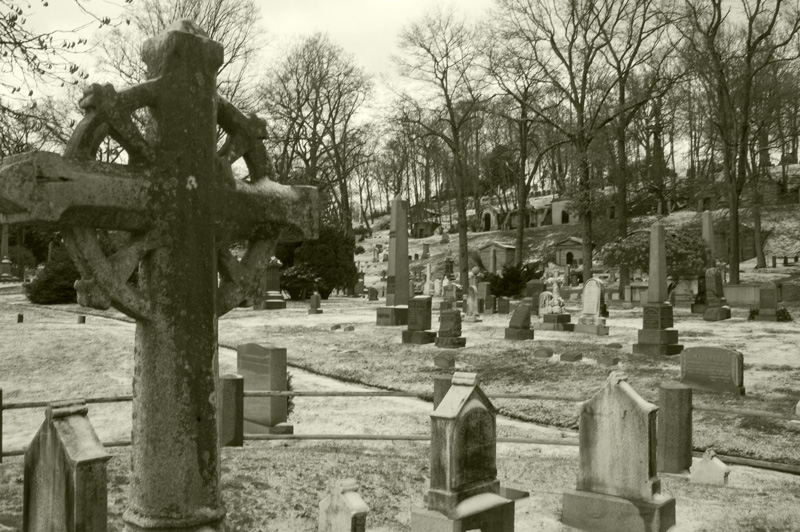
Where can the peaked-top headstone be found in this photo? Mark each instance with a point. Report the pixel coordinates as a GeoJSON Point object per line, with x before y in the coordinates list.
{"type": "Point", "coordinates": [618, 465]}
{"type": "Point", "coordinates": [65, 473]}
{"type": "Point", "coordinates": [397, 292]}
{"type": "Point", "coordinates": [657, 290]}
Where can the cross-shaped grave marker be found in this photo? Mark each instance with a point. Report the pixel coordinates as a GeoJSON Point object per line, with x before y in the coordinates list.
{"type": "Point", "coordinates": [181, 206]}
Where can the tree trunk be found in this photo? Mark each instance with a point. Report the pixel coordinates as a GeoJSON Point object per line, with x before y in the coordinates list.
{"type": "Point", "coordinates": [522, 186]}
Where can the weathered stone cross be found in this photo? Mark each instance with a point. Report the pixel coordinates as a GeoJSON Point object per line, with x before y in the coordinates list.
{"type": "Point", "coordinates": [181, 206]}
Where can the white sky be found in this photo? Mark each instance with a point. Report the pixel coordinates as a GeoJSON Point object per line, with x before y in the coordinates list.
{"type": "Point", "coordinates": [368, 29]}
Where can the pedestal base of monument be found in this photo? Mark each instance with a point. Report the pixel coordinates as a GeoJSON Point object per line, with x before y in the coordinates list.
{"type": "Point", "coordinates": [717, 314]}
{"type": "Point", "coordinates": [273, 303]}
{"type": "Point", "coordinates": [451, 342]}
{"type": "Point", "coordinates": [472, 319]}
{"type": "Point", "coordinates": [315, 311]}
{"type": "Point", "coordinates": [627, 305]}
{"type": "Point", "coordinates": [597, 512]}
{"type": "Point", "coordinates": [766, 314]}
{"type": "Point", "coordinates": [699, 308]}
{"type": "Point", "coordinates": [519, 334]}
{"type": "Point", "coordinates": [419, 337]}
{"type": "Point", "coordinates": [251, 427]}
{"type": "Point", "coordinates": [556, 322]}
{"type": "Point", "coordinates": [662, 342]}
{"type": "Point", "coordinates": [486, 512]}
{"type": "Point", "coordinates": [594, 326]}
{"type": "Point", "coordinates": [392, 316]}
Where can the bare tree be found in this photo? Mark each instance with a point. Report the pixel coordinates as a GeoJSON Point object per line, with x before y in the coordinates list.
{"type": "Point", "coordinates": [234, 23]}
{"type": "Point", "coordinates": [439, 52]}
{"type": "Point", "coordinates": [729, 54]}
{"type": "Point", "coordinates": [312, 101]}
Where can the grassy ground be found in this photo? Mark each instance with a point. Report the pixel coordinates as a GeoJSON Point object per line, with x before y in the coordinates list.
{"type": "Point", "coordinates": [50, 356]}
{"type": "Point", "coordinates": [277, 487]}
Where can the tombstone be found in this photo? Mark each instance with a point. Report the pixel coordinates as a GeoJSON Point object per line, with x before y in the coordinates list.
{"type": "Point", "coordinates": [419, 321]}
{"type": "Point", "coordinates": [264, 369]}
{"type": "Point", "coordinates": [178, 199]}
{"type": "Point", "coordinates": [571, 357]}
{"type": "Point", "coordinates": [273, 297]}
{"type": "Point", "coordinates": [314, 302]}
{"type": "Point", "coordinates": [472, 306]}
{"type": "Point", "coordinates": [343, 509]}
{"type": "Point", "coordinates": [713, 369]}
{"type": "Point", "coordinates": [489, 305]}
{"type": "Point", "coordinates": [448, 268]}
{"type": "Point", "coordinates": [684, 293]}
{"type": "Point", "coordinates": [450, 330]}
{"type": "Point", "coordinates": [503, 305]}
{"type": "Point", "coordinates": [519, 328]}
{"type": "Point", "coordinates": [710, 470]}
{"type": "Point", "coordinates": [607, 360]}
{"type": "Point", "coordinates": [627, 302]}
{"type": "Point", "coordinates": [65, 473]}
{"type": "Point", "coordinates": [379, 247]}
{"type": "Point", "coordinates": [230, 415]}
{"type": "Point", "coordinates": [5, 260]}
{"type": "Point", "coordinates": [372, 293]}
{"type": "Point", "coordinates": [551, 309]}
{"type": "Point", "coordinates": [657, 335]}
{"type": "Point", "coordinates": [464, 490]}
{"type": "Point", "coordinates": [398, 283]}
{"type": "Point", "coordinates": [349, 328]}
{"type": "Point", "coordinates": [674, 454]}
{"type": "Point", "coordinates": [428, 288]}
{"type": "Point", "coordinates": [484, 290]}
{"type": "Point", "coordinates": [358, 289]}
{"type": "Point", "coordinates": [717, 308]}
{"type": "Point", "coordinates": [375, 255]}
{"type": "Point", "coordinates": [445, 239]}
{"type": "Point", "coordinates": [386, 256]}
{"type": "Point", "coordinates": [533, 288]}
{"type": "Point", "coordinates": [767, 302]}
{"type": "Point", "coordinates": [437, 287]}
{"type": "Point", "coordinates": [426, 250]}
{"type": "Point", "coordinates": [618, 489]}
{"type": "Point", "coordinates": [448, 290]}
{"type": "Point", "coordinates": [590, 320]}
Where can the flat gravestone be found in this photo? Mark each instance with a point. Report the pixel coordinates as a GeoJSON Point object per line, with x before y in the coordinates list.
{"type": "Point", "coordinates": [713, 369]}
{"type": "Point", "coordinates": [264, 368]}
{"type": "Point", "coordinates": [65, 474]}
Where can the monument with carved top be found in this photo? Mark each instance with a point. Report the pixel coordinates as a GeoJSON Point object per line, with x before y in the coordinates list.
{"type": "Point", "coordinates": [180, 209]}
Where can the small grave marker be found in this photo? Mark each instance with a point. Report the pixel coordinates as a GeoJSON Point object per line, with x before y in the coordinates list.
{"type": "Point", "coordinates": [713, 369]}
{"type": "Point", "coordinates": [343, 509]}
{"type": "Point", "coordinates": [519, 328]}
{"type": "Point", "coordinates": [710, 470]}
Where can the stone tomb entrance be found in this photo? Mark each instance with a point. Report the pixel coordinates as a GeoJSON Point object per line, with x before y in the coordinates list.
{"type": "Point", "coordinates": [464, 490]}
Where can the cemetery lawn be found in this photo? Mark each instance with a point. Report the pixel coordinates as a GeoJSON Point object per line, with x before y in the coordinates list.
{"type": "Point", "coordinates": [277, 485]}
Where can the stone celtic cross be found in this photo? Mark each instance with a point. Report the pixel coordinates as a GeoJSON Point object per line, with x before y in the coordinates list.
{"type": "Point", "coordinates": [178, 203]}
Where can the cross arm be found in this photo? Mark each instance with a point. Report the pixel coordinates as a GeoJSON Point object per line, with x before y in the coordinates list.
{"type": "Point", "coordinates": [255, 209]}
{"type": "Point", "coordinates": [41, 186]}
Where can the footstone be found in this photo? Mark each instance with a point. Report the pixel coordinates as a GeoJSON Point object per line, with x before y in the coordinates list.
{"type": "Point", "coordinates": [392, 316]}
{"type": "Point", "coordinates": [587, 328]}
{"type": "Point", "coordinates": [615, 345]}
{"type": "Point", "coordinates": [418, 337]}
{"type": "Point", "coordinates": [543, 352]}
{"type": "Point", "coordinates": [336, 327]}
{"type": "Point", "coordinates": [674, 454]}
{"type": "Point", "coordinates": [445, 361]}
{"type": "Point", "coordinates": [518, 334]}
{"type": "Point", "coordinates": [450, 342]}
{"type": "Point", "coordinates": [713, 369]}
{"type": "Point", "coordinates": [349, 328]}
{"type": "Point", "coordinates": [710, 470]}
{"type": "Point", "coordinates": [486, 512]}
{"type": "Point", "coordinates": [571, 357]}
{"type": "Point", "coordinates": [597, 512]}
{"type": "Point", "coordinates": [607, 360]}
